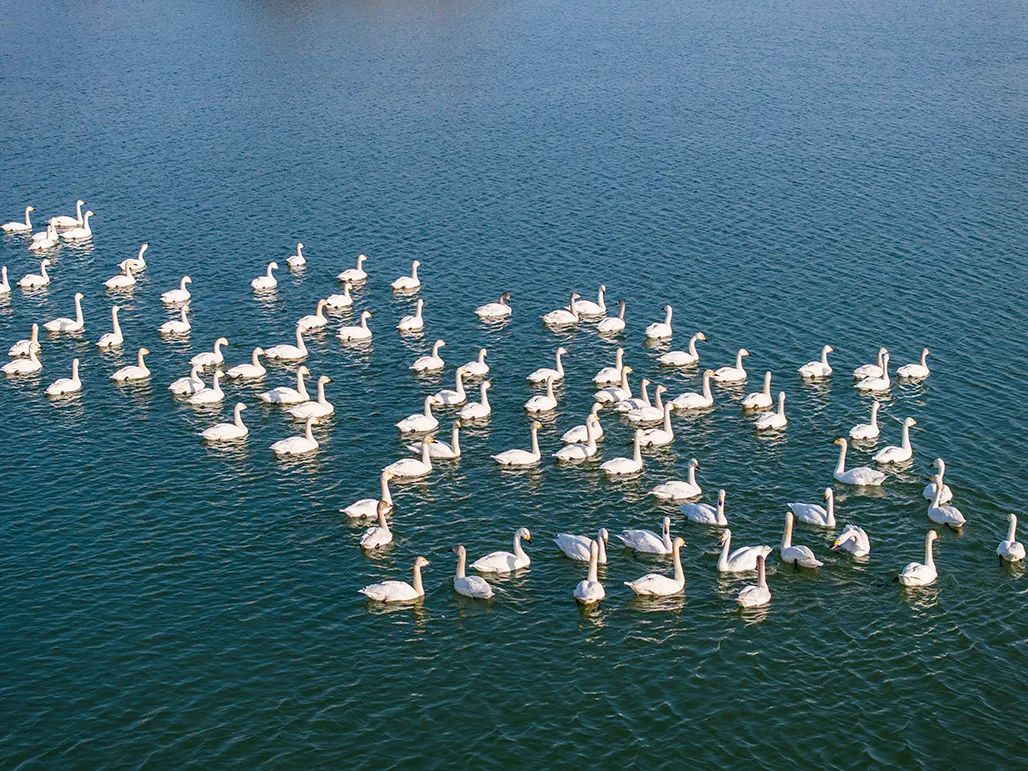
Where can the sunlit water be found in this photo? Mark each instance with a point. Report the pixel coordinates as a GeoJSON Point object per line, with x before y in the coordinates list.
{"type": "Point", "coordinates": [785, 176]}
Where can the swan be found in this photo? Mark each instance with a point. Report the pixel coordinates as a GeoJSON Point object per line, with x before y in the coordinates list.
{"type": "Point", "coordinates": [705, 514]}
{"type": "Point", "coordinates": [571, 452]}
{"type": "Point", "coordinates": [498, 310]}
{"type": "Point", "coordinates": [691, 400]}
{"type": "Point", "coordinates": [659, 437]}
{"type": "Point", "coordinates": [319, 408]}
{"type": "Point", "coordinates": [267, 282]}
{"type": "Point", "coordinates": [124, 280]}
{"type": "Point", "coordinates": [562, 316]}
{"type": "Point", "coordinates": [365, 508]}
{"type": "Point", "coordinates": [867, 431]}
{"type": "Point", "coordinates": [611, 375]}
{"type": "Point", "coordinates": [612, 325]}
{"type": "Point", "coordinates": [81, 233]}
{"type": "Point", "coordinates": [917, 371]}
{"type": "Point", "coordinates": [901, 454]}
{"type": "Point", "coordinates": [419, 422]}
{"type": "Point", "coordinates": [355, 275]}
{"type": "Point", "coordinates": [296, 260]}
{"type": "Point", "coordinates": [226, 432]}
{"type": "Point", "coordinates": [554, 373]}
{"type": "Point", "coordinates": [590, 308]}
{"type": "Point", "coordinates": [451, 398]}
{"type": "Point", "coordinates": [475, 587]}
{"type": "Point", "coordinates": [647, 414]}
{"type": "Point", "coordinates": [742, 560]}
{"type": "Point", "coordinates": [479, 410]}
{"type": "Point", "coordinates": [522, 457]}
{"type": "Point", "coordinates": [756, 595]}
{"type": "Point", "coordinates": [576, 547]}
{"type": "Point", "coordinates": [876, 384]}
{"type": "Point", "coordinates": [929, 489]}
{"type": "Point", "coordinates": [64, 221]}
{"type": "Point", "coordinates": [815, 514]}
{"type": "Point", "coordinates": [36, 280]}
{"type": "Point", "coordinates": [614, 394]}
{"type": "Point", "coordinates": [296, 445]}
{"type": "Point", "coordinates": [27, 366]}
{"type": "Point", "coordinates": [212, 395]}
{"type": "Point", "coordinates": [870, 370]}
{"type": "Point", "coordinates": [176, 327]}
{"type": "Point", "coordinates": [65, 385]}
{"type": "Point", "coordinates": [23, 347]}
{"type": "Point", "coordinates": [441, 450]}
{"type": "Point", "coordinates": [212, 358]}
{"type": "Point", "coordinates": [48, 239]}
{"type": "Point", "coordinates": [505, 561]}
{"type": "Point", "coordinates": [286, 395]}
{"type": "Point", "coordinates": [918, 574]}
{"type": "Point", "coordinates": [398, 591]}
{"type": "Point", "coordinates": [1010, 549]}
{"type": "Point", "coordinates": [617, 467]}
{"type": "Point", "coordinates": [814, 370]}
{"type": "Point", "coordinates": [676, 490]}
{"type": "Point", "coordinates": [357, 334]}
{"type": "Point", "coordinates": [796, 555]}
{"type": "Point", "coordinates": [579, 433]}
{"type": "Point", "coordinates": [660, 330]}
{"type": "Point", "coordinates": [187, 386]}
{"type": "Point", "coordinates": [413, 468]}
{"type": "Point", "coordinates": [178, 296]}
{"type": "Point", "coordinates": [854, 540]}
{"type": "Point", "coordinates": [133, 372]}
{"type": "Point", "coordinates": [20, 227]}
{"type": "Point", "coordinates": [415, 322]}
{"type": "Point", "coordinates": [114, 338]}
{"type": "Point", "coordinates": [313, 321]}
{"type": "Point", "coordinates": [378, 535]}
{"type": "Point", "coordinates": [944, 514]}
{"type": "Point", "coordinates": [859, 475]}
{"type": "Point", "coordinates": [431, 363]}
{"type": "Point", "coordinates": [252, 371]}
{"type": "Point", "coordinates": [137, 264]}
{"type": "Point", "coordinates": [760, 400]}
{"type": "Point", "coordinates": [774, 421]}
{"type": "Point", "coordinates": [638, 402]}
{"type": "Point", "coordinates": [286, 352]}
{"type": "Point", "coordinates": [684, 358]}
{"type": "Point", "coordinates": [64, 324]}
{"type": "Point", "coordinates": [477, 368]}
{"type": "Point", "coordinates": [590, 590]}
{"type": "Point", "coordinates": [648, 542]}
{"type": "Point", "coordinates": [659, 585]}
{"type": "Point", "coordinates": [736, 374]}
{"type": "Point", "coordinates": [409, 283]}
{"type": "Point", "coordinates": [5, 285]}
{"type": "Point", "coordinates": [342, 301]}
{"type": "Point", "coordinates": [541, 403]}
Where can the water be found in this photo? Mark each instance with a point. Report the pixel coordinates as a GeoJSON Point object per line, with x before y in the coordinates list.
{"type": "Point", "coordinates": [784, 175]}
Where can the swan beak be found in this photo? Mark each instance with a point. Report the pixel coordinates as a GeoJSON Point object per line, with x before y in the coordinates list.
{"type": "Point", "coordinates": [834, 546]}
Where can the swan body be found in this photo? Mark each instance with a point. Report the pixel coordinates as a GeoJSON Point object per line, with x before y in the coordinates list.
{"type": "Point", "coordinates": [742, 560]}
{"type": "Point", "coordinates": [865, 432]}
{"type": "Point", "coordinates": [815, 370]}
{"type": "Point", "coordinates": [1009, 549]}
{"type": "Point", "coordinates": [27, 366]}
{"type": "Point", "coordinates": [611, 395]}
{"type": "Point", "coordinates": [296, 260]}
{"type": "Point", "coordinates": [398, 591]}
{"type": "Point", "coordinates": [286, 352]}
{"type": "Point", "coordinates": [684, 358]}
{"type": "Point", "coordinates": [176, 327]}
{"type": "Point", "coordinates": [522, 457]}
{"type": "Point", "coordinates": [420, 422]}
{"type": "Point", "coordinates": [815, 514]}
{"type": "Point", "coordinates": [639, 402]}
{"type": "Point", "coordinates": [659, 585]}
{"type": "Point", "coordinates": [441, 450]}
{"type": "Point", "coordinates": [796, 555]}
{"type": "Point", "coordinates": [676, 490]}
{"type": "Point", "coordinates": [918, 573]}
{"type": "Point", "coordinates": [378, 535]}
{"type": "Point", "coordinates": [590, 308]}
{"type": "Point", "coordinates": [498, 310]}
{"type": "Point", "coordinates": [137, 264]}
{"type": "Point", "coordinates": [705, 514]}
{"type": "Point", "coordinates": [409, 283]}
{"type": "Point", "coordinates": [756, 595]}
{"type": "Point", "coordinates": [64, 324]}
{"type": "Point", "coordinates": [81, 233]}
{"type": "Point", "coordinates": [413, 468]}
{"type": "Point", "coordinates": [64, 221]}
{"type": "Point", "coordinates": [871, 370]}
{"type": "Point", "coordinates": [475, 587]}
{"type": "Point", "coordinates": [774, 421]}
{"type": "Point", "coordinates": [114, 338]}
{"type": "Point", "coordinates": [854, 540]}
{"type": "Point", "coordinates": [228, 432]}
{"type": "Point", "coordinates": [313, 321]}
{"type": "Point", "coordinates": [659, 437]}
{"type": "Point", "coordinates": [736, 374]}
{"type": "Point", "coordinates": [252, 371]}
{"type": "Point", "coordinates": [366, 508]}
{"type": "Point", "coordinates": [356, 334]}
{"type": "Point", "coordinates": [36, 280]}
{"type": "Point", "coordinates": [556, 374]}
{"type": "Point", "coordinates": [133, 372]}
{"type": "Point", "coordinates": [901, 454]}
{"type": "Point", "coordinates": [648, 542]}
{"type": "Point", "coordinates": [563, 317]}
{"type": "Point", "coordinates": [451, 398]}
{"type": "Point", "coordinates": [297, 445]}
{"type": "Point", "coordinates": [189, 385]}
{"type": "Point", "coordinates": [477, 368]}
{"type": "Point", "coordinates": [48, 239]}
{"type": "Point", "coordinates": [929, 489]}
{"type": "Point", "coordinates": [580, 434]}
{"type": "Point", "coordinates": [691, 400]}
{"type": "Point", "coordinates": [661, 330]}
{"type": "Point", "coordinates": [355, 275]}
{"type": "Point", "coordinates": [542, 403]}
{"type": "Point", "coordinates": [611, 375]}
{"type": "Point", "coordinates": [576, 547]}
{"type": "Point", "coordinates": [340, 301]}
{"type": "Point", "coordinates": [431, 363]}
{"type": "Point", "coordinates": [66, 385]}
{"type": "Point", "coordinates": [591, 591]}
{"type": "Point", "coordinates": [612, 325]}
{"type": "Point", "coordinates": [318, 408]}
{"type": "Point", "coordinates": [504, 561]}
{"type": "Point", "coordinates": [19, 227]}
{"type": "Point", "coordinates": [286, 395]}
{"type": "Point", "coordinates": [859, 476]}
{"type": "Point", "coordinates": [879, 384]}
{"type": "Point", "coordinates": [944, 514]}
{"type": "Point", "coordinates": [178, 296]}
{"type": "Point", "coordinates": [760, 400]}
{"type": "Point", "coordinates": [414, 322]}
{"type": "Point", "coordinates": [479, 410]}
{"type": "Point", "coordinates": [22, 348]}
{"type": "Point", "coordinates": [124, 280]}
{"type": "Point", "coordinates": [212, 358]}
{"type": "Point", "coordinates": [918, 371]}
{"type": "Point", "coordinates": [212, 395]}
{"type": "Point", "coordinates": [617, 467]}
{"type": "Point", "coordinates": [573, 452]}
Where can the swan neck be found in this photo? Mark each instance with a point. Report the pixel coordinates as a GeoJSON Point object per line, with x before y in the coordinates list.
{"type": "Point", "coordinates": [637, 448]}
{"type": "Point", "coordinates": [1012, 528]}
{"type": "Point", "coordinates": [706, 388]}
{"type": "Point", "coordinates": [722, 561]}
{"type": "Point", "coordinates": [767, 385]}
{"type": "Point", "coordinates": [383, 491]}
{"type": "Point", "coordinates": [455, 438]}
{"type": "Point", "coordinates": [416, 581]}
{"type": "Point", "coordinates": [535, 441]}
{"type": "Point", "coordinates": [692, 474]}
{"type": "Point", "coordinates": [905, 443]}
{"type": "Point", "coordinates": [321, 392]}
{"type": "Point", "coordinates": [762, 575]}
{"type": "Point", "coordinates": [929, 559]}
{"type": "Point", "coordinates": [462, 558]}
{"type": "Point", "coordinates": [692, 347]}
{"type": "Point", "coordinates": [518, 551]}
{"type": "Point", "coordinates": [426, 453]}
{"type": "Point", "coordinates": [484, 391]}
{"type": "Point", "coordinates": [239, 416]}
{"type": "Point", "coordinates": [594, 559]}
{"type": "Point", "coordinates": [841, 465]}
{"type": "Point", "coordinates": [601, 547]}
{"type": "Point", "coordinates": [787, 533]}
{"type": "Point", "coordinates": [679, 573]}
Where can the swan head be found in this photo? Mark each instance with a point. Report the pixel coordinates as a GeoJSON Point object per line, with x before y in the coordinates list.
{"type": "Point", "coordinates": [678, 543]}
{"type": "Point", "coordinates": [595, 411]}
{"type": "Point", "coordinates": [421, 562]}
{"type": "Point", "coordinates": [726, 536]}
{"type": "Point", "coordinates": [562, 351]}
{"type": "Point", "coordinates": [186, 280]}
{"type": "Point", "coordinates": [701, 336]}
{"type": "Point", "coordinates": [486, 385]}
{"type": "Point", "coordinates": [602, 289]}
{"type": "Point", "coordinates": [80, 202]}
{"type": "Point", "coordinates": [361, 258]}
{"type": "Point", "coordinates": [240, 406]}
{"type": "Point", "coordinates": [645, 382]}
{"type": "Point", "coordinates": [828, 349]}
{"type": "Point", "coordinates": [693, 463]}
{"type": "Point", "coordinates": [87, 214]}
{"type": "Point", "coordinates": [925, 352]}
{"type": "Point", "coordinates": [939, 462]}
{"type": "Point", "coordinates": [365, 315]}
{"type": "Point", "coordinates": [324, 379]}
{"type": "Point", "coordinates": [829, 494]}
{"type": "Point", "coordinates": [33, 208]}
{"type": "Point", "coordinates": [440, 343]}
{"type": "Point", "coordinates": [605, 536]}
{"type": "Point", "coordinates": [721, 495]}
{"type": "Point", "coordinates": [79, 296]}
{"type": "Point", "coordinates": [457, 423]}
{"type": "Point", "coordinates": [665, 526]}
{"type": "Point", "coordinates": [428, 402]}
{"type": "Point", "coordinates": [44, 263]}
{"type": "Point", "coordinates": [626, 370]}
{"type": "Point", "coordinates": [272, 265]}
{"type": "Point", "coordinates": [221, 341]}
{"type": "Point", "coordinates": [660, 389]}
{"type": "Point", "coordinates": [143, 247]}
{"type": "Point", "coordinates": [505, 296]}
{"type": "Point", "coordinates": [460, 550]}
{"type": "Point", "coordinates": [536, 425]}
{"type": "Point", "coordinates": [299, 245]}
{"type": "Point", "coordinates": [708, 374]}
{"type": "Point", "coordinates": [524, 534]}
{"type": "Point", "coordinates": [932, 535]}
{"type": "Point", "coordinates": [841, 441]}
{"type": "Point", "coordinates": [144, 351]}
{"type": "Point", "coordinates": [302, 370]}
{"type": "Point", "coordinates": [416, 264]}
{"type": "Point", "coordinates": [743, 352]}
{"type": "Point", "coordinates": [908, 422]}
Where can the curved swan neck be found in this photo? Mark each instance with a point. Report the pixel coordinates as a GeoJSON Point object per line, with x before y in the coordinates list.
{"type": "Point", "coordinates": [34, 337]}
{"type": "Point", "coordinates": [667, 315]}
{"type": "Point", "coordinates": [937, 498]}
{"type": "Point", "coordinates": [299, 340]}
{"type": "Point", "coordinates": [905, 437]}
{"type": "Point", "coordinates": [692, 474]}
{"type": "Point", "coordinates": [824, 356]}
{"type": "Point", "coordinates": [637, 447]}
{"type": "Point", "coordinates": [42, 270]}
{"type": "Point", "coordinates": [78, 211]}
{"type": "Point", "coordinates": [924, 357]}
{"type": "Point", "coordinates": [518, 551]}
{"type": "Point", "coordinates": [1012, 528]}
{"type": "Point", "coordinates": [560, 365]}
{"type": "Point", "coordinates": [679, 573]}
{"type": "Point", "coordinates": [722, 561]}
{"type": "Point", "coordinates": [483, 391]}
{"type": "Point", "coordinates": [383, 490]}
{"type": "Point", "coordinates": [619, 358]}
{"type": "Point", "coordinates": [594, 560]}
{"type": "Point", "coordinates": [830, 508]}
{"type": "Point", "coordinates": [761, 573]}
{"type": "Point", "coordinates": [78, 309]}
{"type": "Point", "coordinates": [307, 429]}
{"type": "Point", "coordinates": [416, 580]}
{"type": "Point", "coordinates": [139, 359]}
{"type": "Point", "coordinates": [601, 547]}
{"type": "Point", "coordinates": [238, 417]}
{"type": "Point", "coordinates": [455, 437]}
{"type": "Point", "coordinates": [428, 407]}
{"type": "Point", "coordinates": [74, 369]}
{"type": "Point", "coordinates": [254, 357]}
{"type": "Point", "coordinates": [767, 384]}
{"type": "Point", "coordinates": [929, 559]}
{"type": "Point", "coordinates": [874, 414]}
{"type": "Point", "coordinates": [841, 465]}
{"type": "Point", "coordinates": [426, 452]}
{"type": "Point", "coordinates": [535, 440]}
{"type": "Point", "coordinates": [414, 272]}
{"type": "Point", "coordinates": [781, 404]}
{"type": "Point", "coordinates": [787, 533]}
{"type": "Point", "coordinates": [738, 360]}
{"type": "Point", "coordinates": [706, 387]}
{"type": "Point", "coordinates": [462, 557]}
{"type": "Point", "coordinates": [301, 387]}
{"type": "Point", "coordinates": [114, 320]}
{"type": "Point", "coordinates": [321, 392]}
{"type": "Point", "coordinates": [667, 418]}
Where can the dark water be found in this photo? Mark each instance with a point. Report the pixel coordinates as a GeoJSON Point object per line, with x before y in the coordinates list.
{"type": "Point", "coordinates": [785, 175]}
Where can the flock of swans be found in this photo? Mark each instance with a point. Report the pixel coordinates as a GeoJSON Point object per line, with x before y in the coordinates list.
{"type": "Point", "coordinates": [649, 418]}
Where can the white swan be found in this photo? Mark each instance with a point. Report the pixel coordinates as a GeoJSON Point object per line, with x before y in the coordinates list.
{"type": "Point", "coordinates": [318, 408]}
{"type": "Point", "coordinates": [409, 283]}
{"type": "Point", "coordinates": [137, 264]}
{"type": "Point", "coordinates": [944, 514]}
{"type": "Point", "coordinates": [498, 310]}
{"type": "Point", "coordinates": [1010, 549]}
{"type": "Point", "coordinates": [228, 432]}
{"type": "Point", "coordinates": [618, 467]}
{"type": "Point", "coordinates": [612, 325]}
{"type": "Point", "coordinates": [413, 468]}
{"type": "Point", "coordinates": [555, 373]}
{"type": "Point", "coordinates": [65, 386]}
{"type": "Point", "coordinates": [854, 540]}
{"type": "Point", "coordinates": [419, 422]}
{"type": "Point", "coordinates": [356, 334]}
{"type": "Point", "coordinates": [756, 595]}
{"type": "Point", "coordinates": [590, 308]}
{"type": "Point", "coordinates": [614, 394]}
{"type": "Point", "coordinates": [774, 421]}
{"type": "Point", "coordinates": [918, 574]}
{"type": "Point", "coordinates": [760, 400]}
{"type": "Point", "coordinates": [340, 301]}
{"type": "Point", "coordinates": [876, 384]}
{"type": "Point", "coordinates": [579, 433]}
{"type": "Point", "coordinates": [22, 347]}
{"type": "Point", "coordinates": [296, 445]}
{"type": "Point", "coordinates": [796, 555]}
{"type": "Point", "coordinates": [123, 280]}
{"type": "Point", "coordinates": [81, 233]}
{"type": "Point", "coordinates": [562, 317]}
{"type": "Point", "coordinates": [355, 275]}
{"type": "Point", "coordinates": [441, 450]}
{"type": "Point", "coordinates": [659, 585]}
{"type": "Point", "coordinates": [133, 372]}
{"type": "Point", "coordinates": [590, 591]}
{"type": "Point", "coordinates": [313, 321]}
{"type": "Point", "coordinates": [451, 398]}
{"type": "Point", "coordinates": [736, 374]}
{"type": "Point", "coordinates": [414, 322]}
{"type": "Point", "coordinates": [267, 282]}
{"type": "Point", "coordinates": [398, 591]}
{"type": "Point", "coordinates": [253, 370]}
{"type": "Point", "coordinates": [431, 363]}
{"type": "Point", "coordinates": [176, 327]}
{"type": "Point", "coordinates": [742, 560]}
{"type": "Point", "coordinates": [189, 385]}
{"type": "Point", "coordinates": [542, 403]}
{"type": "Point", "coordinates": [661, 330]}
{"type": "Point", "coordinates": [477, 368]}
{"type": "Point", "coordinates": [64, 324]}
{"type": "Point", "coordinates": [378, 535]}
{"type": "Point", "coordinates": [5, 285]}
{"type": "Point", "coordinates": [684, 358]}
{"type": "Point", "coordinates": [676, 490]}
{"type": "Point", "coordinates": [636, 402]}
{"type": "Point", "coordinates": [573, 452]}
{"type": "Point", "coordinates": [691, 400]}
{"type": "Point", "coordinates": [611, 375]}
{"type": "Point", "coordinates": [36, 280]}
{"type": "Point", "coordinates": [917, 371]}
{"type": "Point", "coordinates": [814, 513]}
{"type": "Point", "coordinates": [366, 508]}
{"type": "Point", "coordinates": [286, 395]}
{"type": "Point", "coordinates": [64, 221]}
{"type": "Point", "coordinates": [505, 561]}
{"type": "Point", "coordinates": [705, 514]}
{"type": "Point", "coordinates": [296, 260]}
{"type": "Point", "coordinates": [662, 436]}
{"type": "Point", "coordinates": [522, 457]}
{"type": "Point", "coordinates": [901, 454]}
{"type": "Point", "coordinates": [870, 370]}
{"type": "Point", "coordinates": [212, 358]}
{"type": "Point", "coordinates": [48, 239]}
{"type": "Point", "coordinates": [178, 296]}
{"type": "Point", "coordinates": [479, 410]}
{"type": "Point", "coordinates": [475, 587]}
{"type": "Point", "coordinates": [211, 395]}
{"type": "Point", "coordinates": [929, 489]}
{"type": "Point", "coordinates": [286, 352]}
{"type": "Point", "coordinates": [114, 338]}
{"type": "Point", "coordinates": [20, 227]}
{"type": "Point", "coordinates": [576, 547]}
{"type": "Point", "coordinates": [859, 476]}
{"type": "Point", "coordinates": [815, 370]}
{"type": "Point", "coordinates": [27, 366]}
{"type": "Point", "coordinates": [865, 432]}
{"type": "Point", "coordinates": [648, 414]}
{"type": "Point", "coordinates": [648, 542]}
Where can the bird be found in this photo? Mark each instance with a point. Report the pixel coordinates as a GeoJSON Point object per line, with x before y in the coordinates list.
{"type": "Point", "coordinates": [254, 370]}
{"type": "Point", "coordinates": [480, 410]}
{"type": "Point", "coordinates": [5, 285]}
{"type": "Point", "coordinates": [178, 296]}
{"type": "Point", "coordinates": [44, 241]}
{"type": "Point", "coordinates": [495, 311]}
{"type": "Point", "coordinates": [736, 374]}
{"type": "Point", "coordinates": [878, 384]}
{"type": "Point", "coordinates": [815, 514]}
{"type": "Point", "coordinates": [439, 450]}
{"type": "Point", "coordinates": [648, 542]}
{"type": "Point", "coordinates": [314, 321]}
{"type": "Point", "coordinates": [619, 467]}
{"type": "Point", "coordinates": [137, 264]}
{"type": "Point", "coordinates": [64, 221]}
{"type": "Point", "coordinates": [660, 330]}
{"type": "Point", "coordinates": [475, 587]}
{"type": "Point", "coordinates": [227, 432]}
{"type": "Point", "coordinates": [81, 232]}
{"type": "Point", "coordinates": [176, 327]}
{"type": "Point", "coordinates": [22, 347]}
{"type": "Point", "coordinates": [760, 400]}
{"type": "Point", "coordinates": [208, 396]}
{"type": "Point", "coordinates": [522, 457]}
{"type": "Point", "coordinates": [921, 574]}
{"type": "Point", "coordinates": [288, 396]}
{"type": "Point", "coordinates": [366, 508]}
{"type": "Point", "coordinates": [356, 275]}
{"type": "Point", "coordinates": [287, 351]}
{"type": "Point", "coordinates": [413, 468]}
{"type": "Point", "coordinates": [929, 489]}
{"type": "Point", "coordinates": [414, 322]}
{"type": "Point", "coordinates": [860, 476]}
{"type": "Point", "coordinates": [477, 368]}
{"type": "Point", "coordinates": [409, 283]}
{"type": "Point", "coordinates": [774, 421]}
{"type": "Point", "coordinates": [212, 358]}
{"type": "Point", "coordinates": [676, 490]}
{"type": "Point", "coordinates": [419, 422]}
{"type": "Point", "coordinates": [743, 559]}
{"type": "Point", "coordinates": [189, 385]}
{"type": "Point", "coordinates": [317, 408]}
{"type": "Point", "coordinates": [133, 372]}
{"type": "Point", "coordinates": [815, 370]}
{"type": "Point", "coordinates": [295, 445]}
{"type": "Point", "coordinates": [579, 433]}
{"type": "Point", "coordinates": [691, 400]}
{"type": "Point", "coordinates": [756, 595]}
{"type": "Point", "coordinates": [505, 561]}
{"type": "Point", "coordinates": [687, 358]}
{"type": "Point", "coordinates": [64, 324]}
{"type": "Point", "coordinates": [871, 370]}
{"type": "Point", "coordinates": [796, 555]}
{"type": "Point", "coordinates": [65, 386]}
{"type": "Point", "coordinates": [944, 514]}
{"type": "Point", "coordinates": [356, 334]}
{"type": "Point", "coordinates": [433, 362]}
{"type": "Point", "coordinates": [611, 375]}
{"type": "Point", "coordinates": [590, 308]}
{"type": "Point", "coordinates": [36, 280]}
{"type": "Point", "coordinates": [659, 585]}
{"type": "Point", "coordinates": [563, 317]}
{"type": "Point", "coordinates": [917, 371]}
{"type": "Point", "coordinates": [378, 535]}
{"type": "Point", "coordinates": [612, 325]}
{"type": "Point", "coordinates": [340, 300]}
{"type": "Point", "coordinates": [296, 260]}
{"type": "Point", "coordinates": [542, 403]}
{"type": "Point", "coordinates": [114, 338]}
{"type": "Point", "coordinates": [662, 436]}
{"type": "Point", "coordinates": [590, 591]}
{"type": "Point", "coordinates": [451, 397]}
{"type": "Point", "coordinates": [398, 591]}
{"type": "Point", "coordinates": [19, 227]}
{"type": "Point", "coordinates": [611, 395]}
{"type": "Point", "coordinates": [573, 452]}
{"type": "Point", "coordinates": [866, 432]}
{"type": "Point", "coordinates": [555, 373]}
{"type": "Point", "coordinates": [854, 540]}
{"type": "Point", "coordinates": [901, 454]}
{"type": "Point", "coordinates": [1009, 549]}
{"type": "Point", "coordinates": [29, 365]}
{"type": "Point", "coordinates": [123, 280]}
{"type": "Point", "coordinates": [705, 514]}
{"type": "Point", "coordinates": [576, 547]}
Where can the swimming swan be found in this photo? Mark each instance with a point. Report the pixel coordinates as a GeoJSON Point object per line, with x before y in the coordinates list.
{"type": "Point", "coordinates": [252, 371]}
{"type": "Point", "coordinates": [297, 445]}
{"type": "Point", "coordinates": [611, 395]}
{"type": "Point", "coordinates": [854, 540]}
{"type": "Point", "coordinates": [26, 366]}
{"type": "Point", "coordinates": [187, 386]}
{"type": "Point", "coordinates": [742, 560]}
{"type": "Point", "coordinates": [760, 400]}
{"type": "Point", "coordinates": [576, 547]}
{"type": "Point", "coordinates": [705, 514]}
{"type": "Point", "coordinates": [267, 282]}
{"type": "Point", "coordinates": [796, 555]}
{"type": "Point", "coordinates": [378, 535]}
{"type": "Point", "coordinates": [114, 338]}
{"type": "Point", "coordinates": [398, 591]}
{"type": "Point", "coordinates": [611, 375]}
{"type": "Point", "coordinates": [1009, 549]}
{"type": "Point", "coordinates": [660, 330]}
{"type": "Point", "coordinates": [876, 384]}
{"type": "Point", "coordinates": [859, 476]}
{"type": "Point", "coordinates": [341, 301]}
{"type": "Point", "coordinates": [441, 450]}
{"type": "Point", "coordinates": [419, 422]}
{"type": "Point", "coordinates": [691, 400]}
{"type": "Point", "coordinates": [178, 296]}
{"type": "Point", "coordinates": [659, 585]}
{"type": "Point", "coordinates": [296, 260]}
{"type": "Point", "coordinates": [313, 321]}
{"type": "Point", "coordinates": [413, 468]}
{"type": "Point", "coordinates": [562, 316]}
{"type": "Point", "coordinates": [479, 410]}
{"type": "Point", "coordinates": [124, 280]}
{"type": "Point", "coordinates": [176, 327]}
{"type": "Point", "coordinates": [366, 508]}
{"type": "Point", "coordinates": [556, 373]}
{"type": "Point", "coordinates": [756, 595]}
{"type": "Point", "coordinates": [36, 280]}
{"type": "Point", "coordinates": [64, 221]}
{"type": "Point", "coordinates": [659, 437]}
{"type": "Point", "coordinates": [870, 370]}
{"type": "Point", "coordinates": [409, 283]}
{"type": "Point", "coordinates": [929, 489]}
{"type": "Point", "coordinates": [357, 334]}
{"type": "Point", "coordinates": [636, 402]}
{"type": "Point", "coordinates": [81, 233]}
{"type": "Point", "coordinates": [774, 421]}
{"type": "Point", "coordinates": [612, 325]}
{"type": "Point", "coordinates": [133, 372]}
{"type": "Point", "coordinates": [590, 308]}
{"type": "Point", "coordinates": [944, 514]}
{"type": "Point", "coordinates": [137, 264]}
{"type": "Point", "coordinates": [286, 352]}
{"type": "Point", "coordinates": [22, 348]}
{"type": "Point", "coordinates": [475, 587]}
{"type": "Point", "coordinates": [617, 467]}
{"type": "Point", "coordinates": [207, 396]}
{"type": "Point", "coordinates": [573, 452]}
{"type": "Point", "coordinates": [590, 590]}
{"type": "Point", "coordinates": [815, 514]}
{"type": "Point", "coordinates": [64, 324]}
{"type": "Point", "coordinates": [212, 358]}
{"type": "Point", "coordinates": [451, 398]}
{"type": "Point", "coordinates": [505, 561]}
{"type": "Point", "coordinates": [867, 431]}
{"type": "Point", "coordinates": [676, 490]}
{"type": "Point", "coordinates": [542, 403]}
{"type": "Point", "coordinates": [66, 385]}
{"type": "Point", "coordinates": [431, 363]}
{"type": "Point", "coordinates": [522, 457]}
{"type": "Point", "coordinates": [815, 370]}
{"type": "Point", "coordinates": [20, 227]}
{"type": "Point", "coordinates": [901, 454]}
{"type": "Point", "coordinates": [477, 368]}
{"type": "Point", "coordinates": [579, 433]}
{"type": "Point", "coordinates": [918, 574]}
{"type": "Point", "coordinates": [48, 239]}
{"type": "Point", "coordinates": [355, 275]}
{"type": "Point", "coordinates": [648, 542]}
{"type": "Point", "coordinates": [318, 408]}
{"type": "Point", "coordinates": [498, 310]}
{"type": "Point", "coordinates": [415, 322]}
{"type": "Point", "coordinates": [227, 432]}
{"type": "Point", "coordinates": [684, 358]}
{"type": "Point", "coordinates": [286, 395]}
{"type": "Point", "coordinates": [736, 374]}
{"type": "Point", "coordinates": [918, 371]}
{"type": "Point", "coordinates": [5, 285]}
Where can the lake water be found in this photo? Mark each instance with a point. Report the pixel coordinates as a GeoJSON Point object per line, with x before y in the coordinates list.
{"type": "Point", "coordinates": [785, 175]}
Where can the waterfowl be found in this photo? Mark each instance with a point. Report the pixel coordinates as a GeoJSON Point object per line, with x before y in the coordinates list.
{"type": "Point", "coordinates": [614, 394]}
{"type": "Point", "coordinates": [296, 260]}
{"type": "Point", "coordinates": [189, 385]}
{"type": "Point", "coordinates": [867, 431]}
{"type": "Point", "coordinates": [611, 375]}
{"type": "Point", "coordinates": [917, 371]}
{"type": "Point", "coordinates": [341, 301]}
{"type": "Point", "coordinates": [378, 535]}
{"type": "Point", "coordinates": [876, 384]}
{"type": "Point", "coordinates": [441, 450]}
{"type": "Point", "coordinates": [479, 410]}
{"type": "Point", "coordinates": [918, 574]}
{"type": "Point", "coordinates": [636, 402]}
{"type": "Point", "coordinates": [659, 437]}
{"type": "Point", "coordinates": [208, 396]}
{"type": "Point", "coordinates": [929, 489]}
{"type": "Point", "coordinates": [944, 514]}
{"type": "Point", "coordinates": [648, 414]}
{"type": "Point", "coordinates": [286, 395]}
{"type": "Point", "coordinates": [178, 296]}
{"type": "Point", "coordinates": [431, 363]}
{"type": "Point", "coordinates": [901, 454]}
{"type": "Point", "coordinates": [541, 403]}
{"type": "Point", "coordinates": [176, 327]}
{"type": "Point", "coordinates": [27, 366]}
{"type": "Point", "coordinates": [871, 370]}
{"type": "Point", "coordinates": [48, 239]}
{"type": "Point", "coordinates": [19, 227]}
{"type": "Point", "coordinates": [617, 467]}
{"type": "Point", "coordinates": [505, 561]}
{"type": "Point", "coordinates": [774, 421]}
{"type": "Point", "coordinates": [612, 325]}
{"type": "Point", "coordinates": [413, 468]}
{"type": "Point", "coordinates": [691, 400]}
{"type": "Point", "coordinates": [582, 451]}
{"type": "Point", "coordinates": [477, 368]}
{"type": "Point", "coordinates": [398, 591]}
{"type": "Point", "coordinates": [133, 372]}
{"type": "Point", "coordinates": [756, 595]}
{"type": "Point", "coordinates": [590, 308]}
{"type": "Point", "coordinates": [365, 508]}
{"type": "Point", "coordinates": [591, 591]}
{"type": "Point", "coordinates": [22, 347]}
{"type": "Point", "coordinates": [815, 514]}
{"type": "Point", "coordinates": [64, 324]}
{"type": "Point", "coordinates": [296, 445]}
{"type": "Point", "coordinates": [227, 432]}
{"type": "Point", "coordinates": [684, 358]}
{"type": "Point", "coordinates": [743, 559]}
{"type": "Point", "coordinates": [648, 542]}
{"type": "Point", "coordinates": [659, 585]}
{"type": "Point", "coordinates": [522, 457]}
{"type": "Point", "coordinates": [252, 371]}
{"type": "Point", "coordinates": [661, 330]}
{"type": "Point", "coordinates": [796, 555]}
{"type": "Point", "coordinates": [563, 316]}
{"type": "Point", "coordinates": [451, 398]}
{"type": "Point", "coordinates": [64, 221]}
{"type": "Point", "coordinates": [137, 264]}
{"type": "Point", "coordinates": [859, 476]}
{"type": "Point", "coordinates": [286, 352]}
{"type": "Point", "coordinates": [419, 422]}
{"type": "Point", "coordinates": [760, 400]}
{"type": "Point", "coordinates": [36, 280]}
{"type": "Point", "coordinates": [579, 433]}
{"type": "Point", "coordinates": [114, 338]}
{"type": "Point", "coordinates": [475, 587]}
{"type": "Point", "coordinates": [409, 283]}
{"type": "Point", "coordinates": [415, 322]}
{"type": "Point", "coordinates": [498, 310]}
{"type": "Point", "coordinates": [1009, 549]}
{"type": "Point", "coordinates": [705, 514]}
{"type": "Point", "coordinates": [736, 374]}
{"type": "Point", "coordinates": [815, 370]}
{"type": "Point", "coordinates": [65, 385]}
{"type": "Point", "coordinates": [318, 408]}
{"type": "Point", "coordinates": [313, 321]}
{"type": "Point", "coordinates": [576, 547]}
{"type": "Point", "coordinates": [556, 374]}
{"type": "Point", "coordinates": [124, 280]}
{"type": "Point", "coordinates": [80, 233]}
{"type": "Point", "coordinates": [676, 490]}
{"type": "Point", "coordinates": [5, 285]}
{"type": "Point", "coordinates": [212, 358]}
{"type": "Point", "coordinates": [355, 275]}
{"type": "Point", "coordinates": [359, 333]}
{"type": "Point", "coordinates": [854, 540]}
